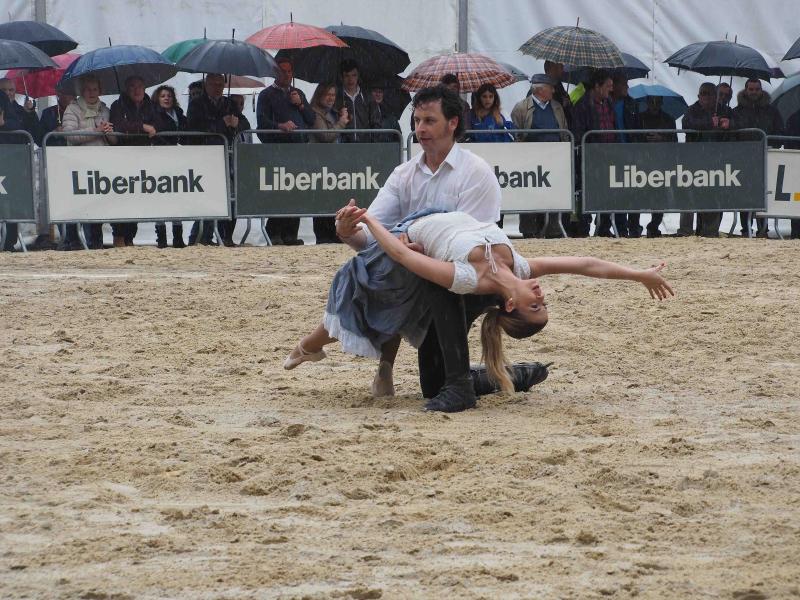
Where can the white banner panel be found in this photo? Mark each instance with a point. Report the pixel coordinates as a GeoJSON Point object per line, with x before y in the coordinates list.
{"type": "Point", "coordinates": [783, 183]}
{"type": "Point", "coordinates": [137, 183]}
{"type": "Point", "coordinates": [533, 176]}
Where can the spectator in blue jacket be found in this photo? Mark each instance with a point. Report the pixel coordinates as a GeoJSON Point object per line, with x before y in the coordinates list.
{"type": "Point", "coordinates": [485, 115]}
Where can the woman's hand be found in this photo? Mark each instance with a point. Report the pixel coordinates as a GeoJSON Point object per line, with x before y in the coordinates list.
{"type": "Point", "coordinates": [656, 284]}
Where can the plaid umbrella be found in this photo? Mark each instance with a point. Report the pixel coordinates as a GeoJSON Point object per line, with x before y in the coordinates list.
{"type": "Point", "coordinates": [293, 35]}
{"type": "Point", "coordinates": [574, 46]}
{"type": "Point", "coordinates": [472, 70]}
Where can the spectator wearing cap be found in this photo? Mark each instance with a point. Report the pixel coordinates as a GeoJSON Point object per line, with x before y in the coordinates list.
{"type": "Point", "coordinates": [539, 110]}
{"type": "Point", "coordinates": [283, 108]}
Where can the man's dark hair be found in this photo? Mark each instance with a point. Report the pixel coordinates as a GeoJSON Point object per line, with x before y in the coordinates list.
{"type": "Point", "coordinates": [752, 80]}
{"type": "Point", "coordinates": [707, 85]}
{"type": "Point", "coordinates": [548, 65]}
{"type": "Point", "coordinates": [347, 65]}
{"type": "Point", "coordinates": [599, 77]}
{"type": "Point", "coordinates": [196, 85]}
{"type": "Point", "coordinates": [451, 104]}
{"type": "Point", "coordinates": [725, 84]}
{"type": "Point", "coordinates": [283, 60]}
{"type": "Point", "coordinates": [449, 79]}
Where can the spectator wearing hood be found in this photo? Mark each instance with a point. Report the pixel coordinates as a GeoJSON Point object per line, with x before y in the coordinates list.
{"type": "Point", "coordinates": [132, 113]}
{"type": "Point", "coordinates": [753, 111]}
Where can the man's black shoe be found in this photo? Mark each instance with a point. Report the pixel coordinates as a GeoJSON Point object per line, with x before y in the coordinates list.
{"type": "Point", "coordinates": [523, 375]}
{"type": "Point", "coordinates": [293, 242]}
{"type": "Point", "coordinates": [653, 233]}
{"type": "Point", "coordinates": [453, 397]}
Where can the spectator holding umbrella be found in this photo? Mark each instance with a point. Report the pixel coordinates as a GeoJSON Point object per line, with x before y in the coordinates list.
{"type": "Point", "coordinates": [88, 114]}
{"type": "Point", "coordinates": [212, 112]}
{"type": "Point", "coordinates": [22, 116]}
{"type": "Point", "coordinates": [132, 113]}
{"type": "Point", "coordinates": [350, 96]}
{"type": "Point", "coordinates": [168, 116]}
{"type": "Point", "coordinates": [656, 118]}
{"type": "Point", "coordinates": [555, 71]}
{"type": "Point", "coordinates": [284, 107]}
{"type": "Point", "coordinates": [712, 120]}
{"type": "Point", "coordinates": [384, 118]}
{"type": "Point", "coordinates": [331, 121]}
{"type": "Point", "coordinates": [753, 111]}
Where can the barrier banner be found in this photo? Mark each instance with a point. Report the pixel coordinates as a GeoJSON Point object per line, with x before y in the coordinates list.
{"type": "Point", "coordinates": [309, 179]}
{"type": "Point", "coordinates": [16, 183]}
{"type": "Point", "coordinates": [533, 176]}
{"type": "Point", "coordinates": [783, 195]}
{"type": "Point", "coordinates": [674, 177]}
{"type": "Point", "coordinates": [137, 183]}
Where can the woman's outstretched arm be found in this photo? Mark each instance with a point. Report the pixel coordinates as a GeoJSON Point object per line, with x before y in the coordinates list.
{"type": "Point", "coordinates": [595, 267]}
{"type": "Point", "coordinates": [439, 272]}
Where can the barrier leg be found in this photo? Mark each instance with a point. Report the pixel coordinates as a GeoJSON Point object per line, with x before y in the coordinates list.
{"type": "Point", "coordinates": [775, 227]}
{"type": "Point", "coordinates": [733, 225]}
{"type": "Point", "coordinates": [614, 227]}
{"type": "Point", "coordinates": [246, 233]}
{"type": "Point", "coordinates": [216, 234]}
{"type": "Point", "coordinates": [561, 226]}
{"type": "Point", "coordinates": [82, 236]}
{"type": "Point", "coordinates": [2, 234]}
{"type": "Point", "coordinates": [264, 232]}
{"type": "Point", "coordinates": [22, 243]}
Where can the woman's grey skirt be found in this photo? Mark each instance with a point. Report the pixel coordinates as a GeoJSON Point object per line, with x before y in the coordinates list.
{"type": "Point", "coordinates": [372, 299]}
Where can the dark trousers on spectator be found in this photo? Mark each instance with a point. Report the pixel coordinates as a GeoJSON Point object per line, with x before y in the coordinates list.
{"type": "Point", "coordinates": [12, 233]}
{"type": "Point", "coordinates": [708, 223]}
{"type": "Point", "coordinates": [795, 235]}
{"type": "Point", "coordinates": [325, 230]}
{"type": "Point", "coordinates": [127, 231]}
{"type": "Point", "coordinates": [656, 219]}
{"type": "Point", "coordinates": [746, 221]}
{"type": "Point", "coordinates": [283, 229]}
{"type": "Point", "coordinates": [207, 236]}
{"type": "Point", "coordinates": [537, 225]}
{"type": "Point", "coordinates": [603, 227]}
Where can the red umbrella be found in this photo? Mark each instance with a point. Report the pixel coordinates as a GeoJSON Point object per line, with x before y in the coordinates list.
{"type": "Point", "coordinates": [293, 35]}
{"type": "Point", "coordinates": [472, 70]}
{"type": "Point", "coordinates": [41, 83]}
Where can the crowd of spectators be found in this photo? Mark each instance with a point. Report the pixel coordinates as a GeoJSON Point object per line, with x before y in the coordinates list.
{"type": "Point", "coordinates": [346, 103]}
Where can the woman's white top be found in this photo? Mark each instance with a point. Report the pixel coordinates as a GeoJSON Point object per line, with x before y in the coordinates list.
{"type": "Point", "coordinates": [452, 236]}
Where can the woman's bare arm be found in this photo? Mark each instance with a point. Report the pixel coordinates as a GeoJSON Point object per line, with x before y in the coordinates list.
{"type": "Point", "coordinates": [589, 266]}
{"type": "Point", "coordinates": [439, 272]}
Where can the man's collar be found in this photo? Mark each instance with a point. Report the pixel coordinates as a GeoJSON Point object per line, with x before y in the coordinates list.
{"type": "Point", "coordinates": [352, 96]}
{"type": "Point", "coordinates": [539, 102]}
{"type": "Point", "coordinates": [452, 159]}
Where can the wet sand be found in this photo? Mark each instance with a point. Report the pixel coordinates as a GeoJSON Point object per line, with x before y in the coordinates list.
{"type": "Point", "coordinates": [151, 445]}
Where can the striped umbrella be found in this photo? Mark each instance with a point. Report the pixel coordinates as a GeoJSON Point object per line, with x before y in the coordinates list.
{"type": "Point", "coordinates": [574, 46]}
{"type": "Point", "coordinates": [472, 70]}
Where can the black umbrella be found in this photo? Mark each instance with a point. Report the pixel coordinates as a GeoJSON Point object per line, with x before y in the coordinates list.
{"type": "Point", "coordinates": [793, 52]}
{"type": "Point", "coordinates": [48, 39]}
{"type": "Point", "coordinates": [394, 97]}
{"type": "Point", "coordinates": [19, 55]}
{"type": "Point", "coordinates": [721, 58]}
{"type": "Point", "coordinates": [376, 55]}
{"type": "Point", "coordinates": [633, 68]}
{"type": "Point", "coordinates": [230, 57]}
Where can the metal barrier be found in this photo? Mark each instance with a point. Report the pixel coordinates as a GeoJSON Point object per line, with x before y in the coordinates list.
{"type": "Point", "coordinates": [115, 135]}
{"type": "Point", "coordinates": [22, 166]}
{"type": "Point", "coordinates": [246, 192]}
{"type": "Point", "coordinates": [775, 205]}
{"type": "Point", "coordinates": [566, 136]}
{"type": "Point", "coordinates": [595, 182]}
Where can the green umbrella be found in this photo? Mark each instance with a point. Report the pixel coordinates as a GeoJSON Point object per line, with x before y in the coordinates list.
{"type": "Point", "coordinates": [180, 49]}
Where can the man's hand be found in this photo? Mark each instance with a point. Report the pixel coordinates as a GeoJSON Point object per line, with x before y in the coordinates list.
{"type": "Point", "coordinates": [231, 121]}
{"type": "Point", "coordinates": [288, 126]}
{"type": "Point", "coordinates": [411, 245]}
{"type": "Point", "coordinates": [149, 130]}
{"type": "Point", "coordinates": [724, 123]}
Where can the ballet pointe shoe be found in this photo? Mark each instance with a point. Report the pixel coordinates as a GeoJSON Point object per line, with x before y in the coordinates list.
{"type": "Point", "coordinates": [383, 385]}
{"type": "Point", "coordinates": [302, 356]}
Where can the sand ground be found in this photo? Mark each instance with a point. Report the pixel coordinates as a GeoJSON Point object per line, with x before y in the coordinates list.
{"type": "Point", "coordinates": [151, 445]}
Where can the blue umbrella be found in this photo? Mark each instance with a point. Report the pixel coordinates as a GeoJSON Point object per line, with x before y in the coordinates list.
{"type": "Point", "coordinates": [113, 65]}
{"type": "Point", "coordinates": [633, 68]}
{"type": "Point", "coordinates": [673, 103]}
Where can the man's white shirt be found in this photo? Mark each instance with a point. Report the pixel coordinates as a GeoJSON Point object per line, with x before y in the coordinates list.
{"type": "Point", "coordinates": [463, 182]}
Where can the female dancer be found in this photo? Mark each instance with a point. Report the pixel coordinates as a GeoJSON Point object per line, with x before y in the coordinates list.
{"type": "Point", "coordinates": [372, 299]}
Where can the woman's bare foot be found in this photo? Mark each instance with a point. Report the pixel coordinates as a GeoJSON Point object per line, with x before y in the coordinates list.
{"type": "Point", "coordinates": [383, 385]}
{"type": "Point", "coordinates": [299, 355]}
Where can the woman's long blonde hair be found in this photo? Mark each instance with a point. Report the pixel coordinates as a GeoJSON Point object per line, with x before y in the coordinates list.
{"type": "Point", "coordinates": [494, 324]}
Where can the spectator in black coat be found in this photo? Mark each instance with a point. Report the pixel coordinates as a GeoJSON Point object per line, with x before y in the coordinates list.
{"type": "Point", "coordinates": [168, 117]}
{"type": "Point", "coordinates": [655, 118]}
{"type": "Point", "coordinates": [360, 108]}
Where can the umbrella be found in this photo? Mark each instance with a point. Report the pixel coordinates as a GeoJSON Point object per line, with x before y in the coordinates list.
{"type": "Point", "coordinates": [721, 58]}
{"type": "Point", "coordinates": [633, 68]}
{"type": "Point", "coordinates": [786, 98]}
{"type": "Point", "coordinates": [180, 49]}
{"type": "Point", "coordinates": [42, 83]}
{"type": "Point", "coordinates": [793, 52]}
{"type": "Point", "coordinates": [240, 82]}
{"type": "Point", "coordinates": [20, 55]}
{"type": "Point", "coordinates": [45, 37]}
{"type": "Point", "coordinates": [114, 64]}
{"type": "Point", "coordinates": [231, 57]}
{"type": "Point", "coordinates": [293, 35]}
{"type": "Point", "coordinates": [376, 55]}
{"type": "Point", "coordinates": [673, 103]}
{"type": "Point", "coordinates": [574, 46]}
{"type": "Point", "coordinates": [515, 72]}
{"type": "Point", "coordinates": [473, 70]}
